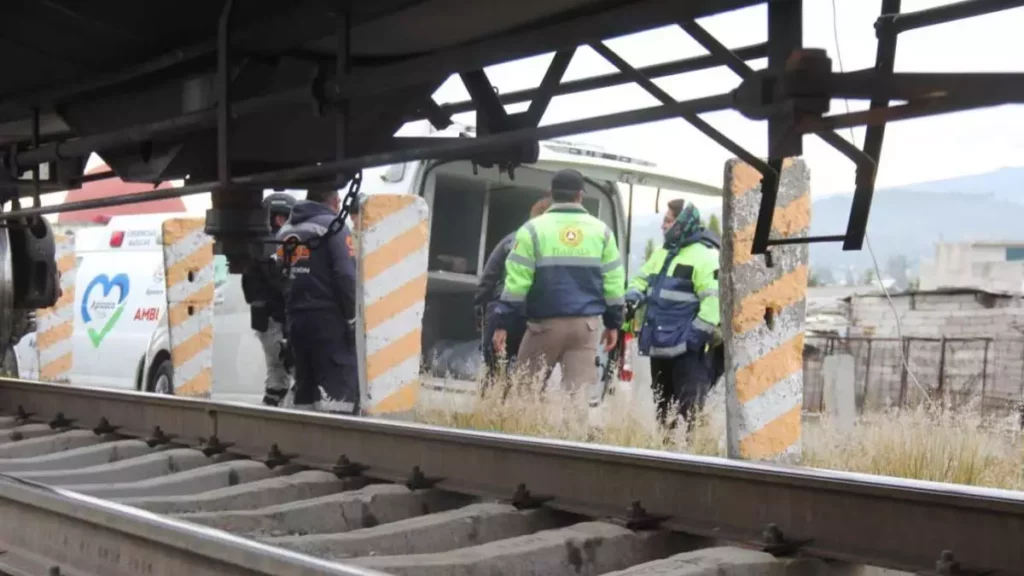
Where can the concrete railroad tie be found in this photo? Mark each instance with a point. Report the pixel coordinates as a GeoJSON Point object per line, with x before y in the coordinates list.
{"type": "Point", "coordinates": [379, 526]}
{"type": "Point", "coordinates": [49, 445]}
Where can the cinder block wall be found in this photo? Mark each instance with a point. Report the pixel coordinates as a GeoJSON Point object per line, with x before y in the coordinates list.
{"type": "Point", "coordinates": [960, 315]}
{"type": "Point", "coordinates": [968, 372]}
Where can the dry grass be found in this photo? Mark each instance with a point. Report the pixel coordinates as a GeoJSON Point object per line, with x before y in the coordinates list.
{"type": "Point", "coordinates": [925, 443]}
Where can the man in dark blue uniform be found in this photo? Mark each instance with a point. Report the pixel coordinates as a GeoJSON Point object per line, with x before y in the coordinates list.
{"type": "Point", "coordinates": [321, 307]}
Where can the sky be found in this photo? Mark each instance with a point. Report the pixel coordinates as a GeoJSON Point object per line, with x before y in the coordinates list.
{"type": "Point", "coordinates": [914, 151]}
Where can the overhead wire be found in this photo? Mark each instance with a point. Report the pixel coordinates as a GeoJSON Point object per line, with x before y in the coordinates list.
{"type": "Point", "coordinates": [867, 239]}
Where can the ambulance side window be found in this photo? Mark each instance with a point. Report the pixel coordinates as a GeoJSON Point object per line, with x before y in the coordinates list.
{"type": "Point", "coordinates": [220, 270]}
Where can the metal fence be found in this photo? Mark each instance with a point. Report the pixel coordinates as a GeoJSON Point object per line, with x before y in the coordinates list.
{"type": "Point", "coordinates": [985, 372]}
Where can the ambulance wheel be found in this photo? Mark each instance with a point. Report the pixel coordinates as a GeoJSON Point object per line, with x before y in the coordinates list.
{"type": "Point", "coordinates": [162, 380]}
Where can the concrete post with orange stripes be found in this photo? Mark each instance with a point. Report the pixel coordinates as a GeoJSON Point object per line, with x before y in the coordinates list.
{"type": "Point", "coordinates": [188, 265]}
{"type": "Point", "coordinates": [393, 238]}
{"type": "Point", "coordinates": [54, 325]}
{"type": "Point", "coordinates": [763, 314]}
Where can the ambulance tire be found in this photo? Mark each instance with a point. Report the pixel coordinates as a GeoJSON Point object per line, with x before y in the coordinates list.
{"type": "Point", "coordinates": [161, 379]}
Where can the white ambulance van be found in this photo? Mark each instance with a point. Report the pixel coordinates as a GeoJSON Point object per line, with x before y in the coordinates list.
{"type": "Point", "coordinates": [120, 337]}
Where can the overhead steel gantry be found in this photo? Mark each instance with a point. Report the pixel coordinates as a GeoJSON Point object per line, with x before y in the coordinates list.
{"type": "Point", "coordinates": [283, 96]}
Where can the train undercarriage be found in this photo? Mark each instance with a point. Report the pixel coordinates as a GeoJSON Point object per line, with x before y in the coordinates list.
{"type": "Point", "coordinates": [234, 98]}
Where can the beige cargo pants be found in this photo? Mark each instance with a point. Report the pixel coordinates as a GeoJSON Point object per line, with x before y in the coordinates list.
{"type": "Point", "coordinates": [571, 342]}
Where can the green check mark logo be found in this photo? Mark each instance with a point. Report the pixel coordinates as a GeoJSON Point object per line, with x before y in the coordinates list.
{"type": "Point", "coordinates": [106, 284]}
{"type": "Point", "coordinates": [97, 336]}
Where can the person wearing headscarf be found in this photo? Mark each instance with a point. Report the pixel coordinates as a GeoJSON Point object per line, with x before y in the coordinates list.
{"type": "Point", "coordinates": [677, 289]}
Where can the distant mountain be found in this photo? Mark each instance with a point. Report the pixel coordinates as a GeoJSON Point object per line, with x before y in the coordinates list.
{"type": "Point", "coordinates": [1003, 184]}
{"type": "Point", "coordinates": [910, 219]}
{"type": "Point", "coordinates": [905, 220]}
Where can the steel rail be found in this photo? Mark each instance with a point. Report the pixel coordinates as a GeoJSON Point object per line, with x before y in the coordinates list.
{"type": "Point", "coordinates": [55, 528]}
{"type": "Point", "coordinates": [880, 521]}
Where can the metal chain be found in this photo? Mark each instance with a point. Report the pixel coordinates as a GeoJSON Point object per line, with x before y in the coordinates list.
{"type": "Point", "coordinates": [335, 227]}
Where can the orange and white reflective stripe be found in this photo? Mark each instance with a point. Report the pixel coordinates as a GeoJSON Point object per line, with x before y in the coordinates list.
{"type": "Point", "coordinates": [55, 324]}
{"type": "Point", "coordinates": [763, 314]}
{"type": "Point", "coordinates": [189, 274]}
{"type": "Point", "coordinates": [393, 248]}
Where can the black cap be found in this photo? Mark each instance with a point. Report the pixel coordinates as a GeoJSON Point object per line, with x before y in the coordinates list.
{"type": "Point", "coordinates": [567, 181]}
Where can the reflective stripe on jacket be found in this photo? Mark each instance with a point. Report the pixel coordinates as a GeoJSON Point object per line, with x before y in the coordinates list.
{"type": "Point", "coordinates": [565, 263]}
{"type": "Point", "coordinates": [681, 300]}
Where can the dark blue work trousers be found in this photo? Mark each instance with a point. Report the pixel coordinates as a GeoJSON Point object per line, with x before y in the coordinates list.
{"type": "Point", "coordinates": [683, 382]}
{"type": "Point", "coordinates": [325, 361]}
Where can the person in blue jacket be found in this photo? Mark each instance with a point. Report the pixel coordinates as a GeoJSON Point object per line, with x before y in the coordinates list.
{"type": "Point", "coordinates": [678, 289]}
{"type": "Point", "coordinates": [320, 306]}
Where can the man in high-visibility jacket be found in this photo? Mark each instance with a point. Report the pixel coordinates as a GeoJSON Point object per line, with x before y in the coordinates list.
{"type": "Point", "coordinates": [488, 293]}
{"type": "Point", "coordinates": [678, 286]}
{"type": "Point", "coordinates": [565, 276]}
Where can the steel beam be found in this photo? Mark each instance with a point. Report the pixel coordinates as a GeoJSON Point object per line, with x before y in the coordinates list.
{"type": "Point", "coordinates": [224, 95]}
{"type": "Point", "coordinates": [719, 51]}
{"type": "Point", "coordinates": [546, 91]}
{"type": "Point", "coordinates": [627, 18]}
{"type": "Point", "coordinates": [946, 13]}
{"type": "Point", "coordinates": [885, 59]}
{"type": "Point", "coordinates": [176, 126]}
{"type": "Point", "coordinates": [785, 36]}
{"type": "Point", "coordinates": [443, 149]}
{"type": "Point", "coordinates": [666, 99]}
{"type": "Point", "coordinates": [672, 68]}
{"type": "Point", "coordinates": [343, 68]}
{"type": "Point", "coordinates": [491, 116]}
{"type": "Point", "coordinates": [206, 119]}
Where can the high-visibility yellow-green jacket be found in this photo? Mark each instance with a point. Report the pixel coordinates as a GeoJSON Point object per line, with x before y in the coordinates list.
{"type": "Point", "coordinates": [564, 263]}
{"type": "Point", "coordinates": [679, 290]}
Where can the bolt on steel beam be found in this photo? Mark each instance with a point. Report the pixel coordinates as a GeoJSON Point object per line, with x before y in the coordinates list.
{"type": "Point", "coordinates": [491, 116]}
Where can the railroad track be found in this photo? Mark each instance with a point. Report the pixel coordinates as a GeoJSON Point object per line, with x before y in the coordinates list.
{"type": "Point", "coordinates": [102, 482]}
